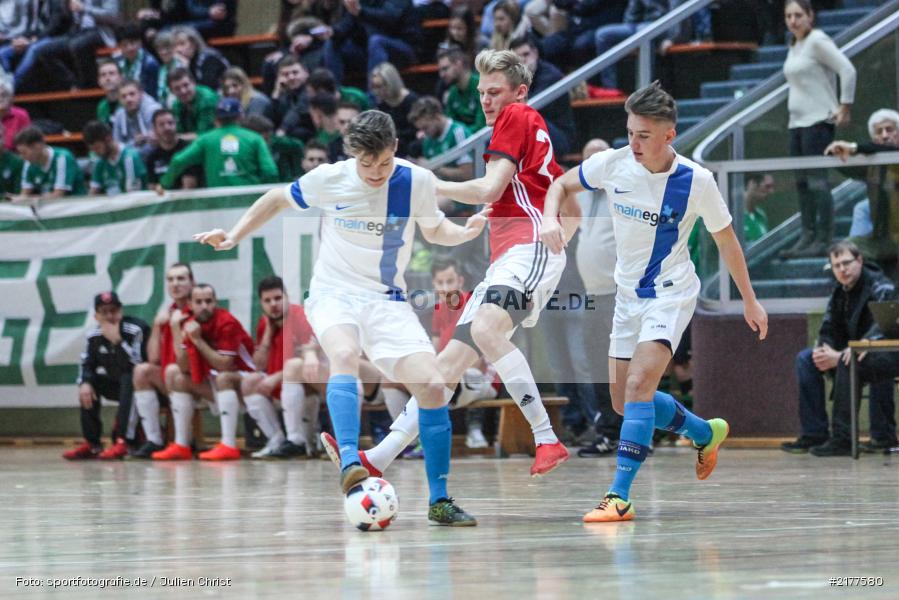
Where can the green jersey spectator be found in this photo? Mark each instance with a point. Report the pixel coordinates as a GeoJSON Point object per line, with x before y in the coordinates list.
{"type": "Point", "coordinates": [755, 221]}
{"type": "Point", "coordinates": [287, 152]}
{"type": "Point", "coordinates": [440, 134]}
{"type": "Point", "coordinates": [194, 106]}
{"type": "Point", "coordinates": [49, 172]}
{"type": "Point", "coordinates": [463, 102]}
{"type": "Point", "coordinates": [231, 155]}
{"type": "Point", "coordinates": [119, 169]}
{"type": "Point", "coordinates": [109, 76]}
{"type": "Point", "coordinates": [10, 171]}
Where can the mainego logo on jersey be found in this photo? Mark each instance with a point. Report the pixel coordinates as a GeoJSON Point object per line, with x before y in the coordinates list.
{"type": "Point", "coordinates": [668, 214]}
{"type": "Point", "coordinates": [359, 226]}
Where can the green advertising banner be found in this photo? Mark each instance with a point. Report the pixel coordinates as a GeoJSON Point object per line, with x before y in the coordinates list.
{"type": "Point", "coordinates": [54, 257]}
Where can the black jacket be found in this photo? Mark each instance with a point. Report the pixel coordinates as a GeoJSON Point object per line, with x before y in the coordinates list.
{"type": "Point", "coordinates": [393, 18]}
{"type": "Point", "coordinates": [103, 359]}
{"type": "Point", "coordinates": [558, 112]}
{"type": "Point", "coordinates": [847, 316]}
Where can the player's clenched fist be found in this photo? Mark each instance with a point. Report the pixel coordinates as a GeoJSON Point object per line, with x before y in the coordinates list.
{"type": "Point", "coordinates": [476, 223]}
{"type": "Point", "coordinates": [217, 238]}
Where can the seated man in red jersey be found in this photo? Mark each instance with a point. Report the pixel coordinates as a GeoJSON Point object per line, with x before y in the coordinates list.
{"type": "Point", "coordinates": [281, 334]}
{"type": "Point", "coordinates": [215, 351]}
{"type": "Point", "coordinates": [149, 377]}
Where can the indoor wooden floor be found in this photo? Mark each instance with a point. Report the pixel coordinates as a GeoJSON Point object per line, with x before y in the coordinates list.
{"type": "Point", "coordinates": [766, 525]}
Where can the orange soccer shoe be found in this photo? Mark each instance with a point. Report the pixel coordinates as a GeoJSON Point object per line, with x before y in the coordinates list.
{"type": "Point", "coordinates": [548, 457]}
{"type": "Point", "coordinates": [117, 451]}
{"type": "Point", "coordinates": [221, 452]}
{"type": "Point", "coordinates": [333, 451]}
{"type": "Point", "coordinates": [707, 456]}
{"type": "Point", "coordinates": [612, 508]}
{"type": "Point", "coordinates": [173, 452]}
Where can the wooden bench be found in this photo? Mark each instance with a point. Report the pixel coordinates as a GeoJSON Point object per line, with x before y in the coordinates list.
{"type": "Point", "coordinates": [513, 436]}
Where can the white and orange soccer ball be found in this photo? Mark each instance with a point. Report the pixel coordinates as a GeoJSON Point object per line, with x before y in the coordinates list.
{"type": "Point", "coordinates": [372, 505]}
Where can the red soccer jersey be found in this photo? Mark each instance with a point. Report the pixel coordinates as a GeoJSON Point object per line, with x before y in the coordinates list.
{"type": "Point", "coordinates": [224, 333]}
{"type": "Point", "coordinates": [166, 342]}
{"type": "Point", "coordinates": [299, 332]}
{"type": "Point", "coordinates": [443, 323]}
{"type": "Point", "coordinates": [520, 135]}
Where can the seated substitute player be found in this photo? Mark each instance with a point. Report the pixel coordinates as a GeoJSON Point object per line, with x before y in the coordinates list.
{"type": "Point", "coordinates": [371, 204]}
{"type": "Point", "coordinates": [656, 196]}
{"type": "Point", "coordinates": [214, 349]}
{"type": "Point", "coordinates": [522, 274]}
{"type": "Point", "coordinates": [113, 348]}
{"type": "Point", "coordinates": [282, 332]}
{"type": "Point", "coordinates": [150, 376]}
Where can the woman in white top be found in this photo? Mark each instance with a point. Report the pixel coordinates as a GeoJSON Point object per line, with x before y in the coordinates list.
{"type": "Point", "coordinates": [812, 65]}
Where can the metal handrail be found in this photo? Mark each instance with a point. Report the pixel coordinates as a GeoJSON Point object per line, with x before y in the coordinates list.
{"type": "Point", "coordinates": [860, 36]}
{"type": "Point", "coordinates": [700, 130]}
{"type": "Point", "coordinates": [640, 41]}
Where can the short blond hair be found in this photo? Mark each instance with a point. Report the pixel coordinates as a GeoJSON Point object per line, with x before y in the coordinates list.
{"type": "Point", "coordinates": [506, 62]}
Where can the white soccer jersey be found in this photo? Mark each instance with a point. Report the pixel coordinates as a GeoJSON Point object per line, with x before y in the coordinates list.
{"type": "Point", "coordinates": [653, 214]}
{"type": "Point", "coordinates": [367, 232]}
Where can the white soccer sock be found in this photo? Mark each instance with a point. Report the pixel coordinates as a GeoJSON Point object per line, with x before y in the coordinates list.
{"type": "Point", "coordinates": [133, 417]}
{"type": "Point", "coordinates": [263, 412]}
{"type": "Point", "coordinates": [292, 396]}
{"type": "Point", "coordinates": [229, 413]}
{"type": "Point", "coordinates": [309, 410]}
{"type": "Point", "coordinates": [147, 404]}
{"type": "Point", "coordinates": [183, 414]}
{"type": "Point", "coordinates": [395, 399]}
{"type": "Point", "coordinates": [513, 369]}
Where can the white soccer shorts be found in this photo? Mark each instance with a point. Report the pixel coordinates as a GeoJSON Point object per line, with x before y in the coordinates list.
{"type": "Point", "coordinates": [648, 319]}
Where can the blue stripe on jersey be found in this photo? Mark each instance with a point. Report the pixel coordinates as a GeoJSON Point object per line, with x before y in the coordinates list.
{"type": "Point", "coordinates": [580, 172]}
{"type": "Point", "coordinates": [399, 205]}
{"type": "Point", "coordinates": [296, 194]}
{"type": "Point", "coordinates": [674, 206]}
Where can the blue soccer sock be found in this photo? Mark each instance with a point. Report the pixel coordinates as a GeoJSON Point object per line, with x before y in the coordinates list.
{"type": "Point", "coordinates": [672, 416]}
{"type": "Point", "coordinates": [436, 434]}
{"type": "Point", "coordinates": [343, 406]}
{"type": "Point", "coordinates": [633, 447]}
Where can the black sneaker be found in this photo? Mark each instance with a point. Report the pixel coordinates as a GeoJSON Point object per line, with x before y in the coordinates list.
{"type": "Point", "coordinates": [445, 512]}
{"type": "Point", "coordinates": [832, 448]}
{"type": "Point", "coordinates": [288, 450]}
{"type": "Point", "coordinates": [875, 446]}
{"type": "Point", "coordinates": [802, 444]}
{"type": "Point", "coordinates": [603, 446]}
{"type": "Point", "coordinates": [146, 450]}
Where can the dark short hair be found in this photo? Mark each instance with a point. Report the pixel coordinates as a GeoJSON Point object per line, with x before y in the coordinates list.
{"type": "Point", "coordinates": [370, 133]}
{"type": "Point", "coordinates": [96, 131]}
{"type": "Point", "coordinates": [178, 74]}
{"type": "Point", "coordinates": [841, 246]}
{"type": "Point", "coordinates": [29, 135]}
{"type": "Point", "coordinates": [289, 61]}
{"type": "Point", "coordinates": [349, 105]}
{"type": "Point", "coordinates": [129, 82]}
{"type": "Point", "coordinates": [425, 107]}
{"type": "Point", "coordinates": [108, 61]}
{"type": "Point", "coordinates": [314, 144]}
{"type": "Point", "coordinates": [653, 102]}
{"type": "Point", "coordinates": [323, 80]}
{"type": "Point", "coordinates": [441, 263]}
{"type": "Point", "coordinates": [159, 112]}
{"type": "Point", "coordinates": [525, 39]}
{"type": "Point", "coordinates": [326, 103]}
{"type": "Point", "coordinates": [272, 282]}
{"type": "Point", "coordinates": [259, 123]}
{"type": "Point", "coordinates": [203, 286]}
{"type": "Point", "coordinates": [176, 265]}
{"type": "Point", "coordinates": [453, 53]}
{"type": "Point", "coordinates": [129, 31]}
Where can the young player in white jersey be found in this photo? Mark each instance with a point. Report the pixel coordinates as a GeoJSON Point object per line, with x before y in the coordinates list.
{"type": "Point", "coordinates": [522, 275]}
{"type": "Point", "coordinates": [371, 204]}
{"type": "Point", "coordinates": [655, 196]}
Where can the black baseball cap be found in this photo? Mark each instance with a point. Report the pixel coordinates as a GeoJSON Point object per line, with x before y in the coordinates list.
{"type": "Point", "coordinates": [104, 298]}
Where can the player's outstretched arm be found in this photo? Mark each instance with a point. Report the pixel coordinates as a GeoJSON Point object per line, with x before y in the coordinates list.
{"type": "Point", "coordinates": [450, 234]}
{"type": "Point", "coordinates": [561, 197]}
{"type": "Point", "coordinates": [482, 190]}
{"type": "Point", "coordinates": [263, 210]}
{"type": "Point", "coordinates": [729, 249]}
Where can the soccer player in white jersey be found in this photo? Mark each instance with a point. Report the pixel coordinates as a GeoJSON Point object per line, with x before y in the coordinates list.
{"type": "Point", "coordinates": [655, 196]}
{"type": "Point", "coordinates": [357, 298]}
{"type": "Point", "coordinates": [522, 275]}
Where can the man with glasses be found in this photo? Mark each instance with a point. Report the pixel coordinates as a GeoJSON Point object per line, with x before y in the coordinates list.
{"type": "Point", "coordinates": [847, 318]}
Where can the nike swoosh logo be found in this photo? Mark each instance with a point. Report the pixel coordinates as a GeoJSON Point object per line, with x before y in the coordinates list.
{"type": "Point", "coordinates": [617, 191]}
{"type": "Point", "coordinates": [338, 207]}
{"type": "Point", "coordinates": [621, 513]}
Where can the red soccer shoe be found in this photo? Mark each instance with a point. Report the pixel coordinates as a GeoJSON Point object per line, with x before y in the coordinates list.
{"type": "Point", "coordinates": [333, 451]}
{"type": "Point", "coordinates": [115, 452]}
{"type": "Point", "coordinates": [173, 452]}
{"type": "Point", "coordinates": [221, 452]}
{"type": "Point", "coordinates": [83, 452]}
{"type": "Point", "coordinates": [548, 457]}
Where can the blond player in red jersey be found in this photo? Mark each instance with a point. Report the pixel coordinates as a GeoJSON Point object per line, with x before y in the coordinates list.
{"type": "Point", "coordinates": [523, 274]}
{"type": "Point", "coordinates": [149, 378]}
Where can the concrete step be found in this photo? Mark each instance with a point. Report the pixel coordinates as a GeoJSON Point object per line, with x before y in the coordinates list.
{"type": "Point", "coordinates": [699, 107]}
{"type": "Point", "coordinates": [727, 89]}
{"type": "Point", "coordinates": [840, 18]}
{"type": "Point", "coordinates": [771, 54]}
{"type": "Point", "coordinates": [754, 71]}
